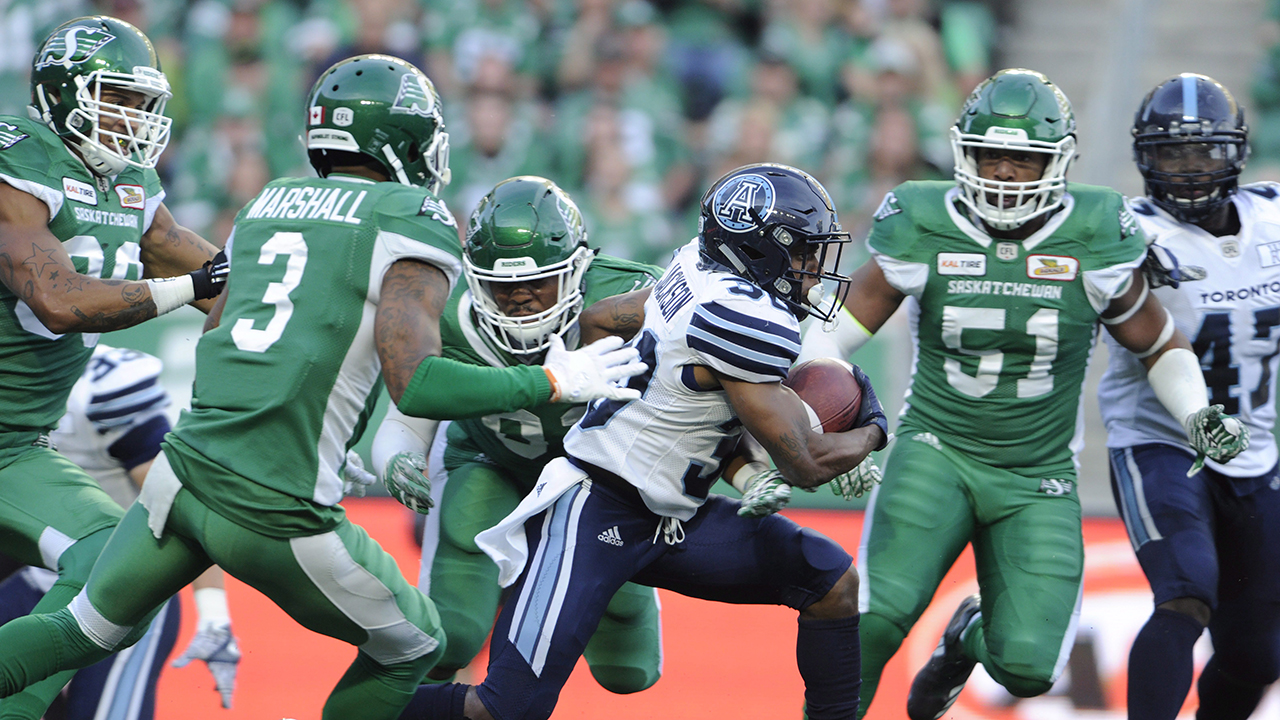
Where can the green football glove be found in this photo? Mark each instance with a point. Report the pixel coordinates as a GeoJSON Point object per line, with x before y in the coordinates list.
{"type": "Point", "coordinates": [858, 481]}
{"type": "Point", "coordinates": [406, 480]}
{"type": "Point", "coordinates": [1216, 436]}
{"type": "Point", "coordinates": [766, 493]}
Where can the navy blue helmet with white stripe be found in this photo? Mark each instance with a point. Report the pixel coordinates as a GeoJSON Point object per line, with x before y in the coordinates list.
{"type": "Point", "coordinates": [754, 220]}
{"type": "Point", "coordinates": [1190, 143]}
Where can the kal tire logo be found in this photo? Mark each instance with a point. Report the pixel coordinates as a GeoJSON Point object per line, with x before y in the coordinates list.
{"type": "Point", "coordinates": [73, 47]}
{"type": "Point", "coordinates": [743, 203]}
{"type": "Point", "coordinates": [79, 191]}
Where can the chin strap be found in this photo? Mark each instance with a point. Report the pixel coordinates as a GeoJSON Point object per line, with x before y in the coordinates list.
{"type": "Point", "coordinates": [396, 166]}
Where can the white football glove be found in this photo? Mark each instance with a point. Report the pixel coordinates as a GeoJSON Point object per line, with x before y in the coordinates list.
{"type": "Point", "coordinates": [766, 493]}
{"type": "Point", "coordinates": [858, 481]}
{"type": "Point", "coordinates": [591, 372]}
{"type": "Point", "coordinates": [1215, 435]}
{"type": "Point", "coordinates": [406, 480]}
{"type": "Point", "coordinates": [355, 479]}
{"type": "Point", "coordinates": [217, 647]}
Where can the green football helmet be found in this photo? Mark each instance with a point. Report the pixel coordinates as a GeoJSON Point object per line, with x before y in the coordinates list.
{"type": "Point", "coordinates": [1014, 109]}
{"type": "Point", "coordinates": [383, 108]}
{"type": "Point", "coordinates": [525, 229]}
{"type": "Point", "coordinates": [68, 74]}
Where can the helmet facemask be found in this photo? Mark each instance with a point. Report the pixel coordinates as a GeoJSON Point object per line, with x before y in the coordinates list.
{"type": "Point", "coordinates": [110, 136]}
{"type": "Point", "coordinates": [1009, 205]}
{"type": "Point", "coordinates": [1191, 178]}
{"type": "Point", "coordinates": [529, 334]}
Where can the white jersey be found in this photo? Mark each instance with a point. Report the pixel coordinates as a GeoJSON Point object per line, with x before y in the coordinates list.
{"type": "Point", "coordinates": [1231, 318]}
{"type": "Point", "coordinates": [669, 444]}
{"type": "Point", "coordinates": [115, 418]}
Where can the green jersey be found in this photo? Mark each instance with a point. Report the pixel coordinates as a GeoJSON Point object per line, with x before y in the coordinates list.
{"type": "Point", "coordinates": [285, 382]}
{"type": "Point", "coordinates": [523, 441]}
{"type": "Point", "coordinates": [100, 223]}
{"type": "Point", "coordinates": [1002, 329]}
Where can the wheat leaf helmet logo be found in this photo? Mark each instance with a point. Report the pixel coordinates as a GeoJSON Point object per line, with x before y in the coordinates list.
{"type": "Point", "coordinates": [414, 97]}
{"type": "Point", "coordinates": [73, 46]}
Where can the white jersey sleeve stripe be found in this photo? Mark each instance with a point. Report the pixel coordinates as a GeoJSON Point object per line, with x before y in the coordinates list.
{"type": "Point", "coordinates": [738, 340]}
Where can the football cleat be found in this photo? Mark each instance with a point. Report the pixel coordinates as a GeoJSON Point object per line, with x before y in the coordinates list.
{"type": "Point", "coordinates": [940, 681]}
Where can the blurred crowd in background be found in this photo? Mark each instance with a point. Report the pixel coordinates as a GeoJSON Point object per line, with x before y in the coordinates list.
{"type": "Point", "coordinates": [633, 106]}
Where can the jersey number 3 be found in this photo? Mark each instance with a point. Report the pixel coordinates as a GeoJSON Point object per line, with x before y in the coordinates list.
{"type": "Point", "coordinates": [251, 339]}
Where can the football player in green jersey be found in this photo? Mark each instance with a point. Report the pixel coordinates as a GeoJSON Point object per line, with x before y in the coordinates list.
{"type": "Point", "coordinates": [1008, 275]}
{"type": "Point", "coordinates": [529, 274]}
{"type": "Point", "coordinates": [86, 246]}
{"type": "Point", "coordinates": [340, 284]}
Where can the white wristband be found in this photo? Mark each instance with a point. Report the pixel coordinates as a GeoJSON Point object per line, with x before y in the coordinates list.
{"type": "Point", "coordinates": [745, 473]}
{"type": "Point", "coordinates": [211, 608]}
{"type": "Point", "coordinates": [169, 294]}
{"type": "Point", "coordinates": [1178, 383]}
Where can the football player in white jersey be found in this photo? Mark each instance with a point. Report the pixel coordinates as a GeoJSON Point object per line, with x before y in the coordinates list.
{"type": "Point", "coordinates": [1208, 538]}
{"type": "Point", "coordinates": [630, 501]}
{"type": "Point", "coordinates": [114, 423]}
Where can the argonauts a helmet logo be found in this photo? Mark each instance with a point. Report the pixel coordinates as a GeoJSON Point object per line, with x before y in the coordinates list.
{"type": "Point", "coordinates": [734, 201]}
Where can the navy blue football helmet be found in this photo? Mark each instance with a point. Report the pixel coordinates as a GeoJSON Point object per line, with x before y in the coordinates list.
{"type": "Point", "coordinates": [1190, 143]}
{"type": "Point", "coordinates": [756, 218]}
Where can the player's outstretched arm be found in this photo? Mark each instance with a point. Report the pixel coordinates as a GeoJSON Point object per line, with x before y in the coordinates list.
{"type": "Point", "coordinates": [36, 268]}
{"type": "Point", "coordinates": [1142, 325]}
{"type": "Point", "coordinates": [869, 302]}
{"type": "Point", "coordinates": [775, 416]}
{"type": "Point", "coordinates": [423, 384]}
{"type": "Point", "coordinates": [169, 249]}
{"type": "Point", "coordinates": [620, 315]}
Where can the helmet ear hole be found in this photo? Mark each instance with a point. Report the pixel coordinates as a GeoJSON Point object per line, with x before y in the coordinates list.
{"type": "Point", "coordinates": [414, 153]}
{"type": "Point", "coordinates": [752, 253]}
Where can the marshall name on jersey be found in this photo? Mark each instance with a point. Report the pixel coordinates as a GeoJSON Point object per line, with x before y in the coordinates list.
{"type": "Point", "coordinates": [669, 444]}
{"type": "Point", "coordinates": [285, 382]}
{"type": "Point", "coordinates": [100, 223]}
{"type": "Point", "coordinates": [1003, 330]}
{"type": "Point", "coordinates": [525, 440]}
{"type": "Point", "coordinates": [1232, 319]}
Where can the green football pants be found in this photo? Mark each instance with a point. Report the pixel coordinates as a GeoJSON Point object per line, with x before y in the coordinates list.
{"type": "Point", "coordinates": [52, 515]}
{"type": "Point", "coordinates": [1028, 548]}
{"type": "Point", "coordinates": [338, 583]}
{"type": "Point", "coordinates": [624, 654]}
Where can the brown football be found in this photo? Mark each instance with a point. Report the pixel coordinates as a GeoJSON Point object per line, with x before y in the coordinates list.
{"type": "Point", "coordinates": [827, 386]}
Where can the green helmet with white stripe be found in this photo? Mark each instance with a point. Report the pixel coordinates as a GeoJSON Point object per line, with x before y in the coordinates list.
{"type": "Point", "coordinates": [1021, 110]}
{"type": "Point", "coordinates": [75, 63]}
{"type": "Point", "coordinates": [384, 109]}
